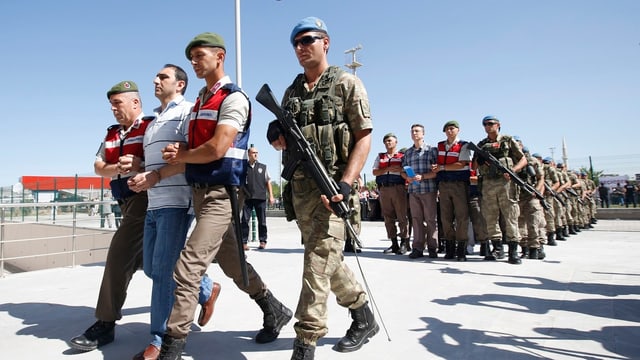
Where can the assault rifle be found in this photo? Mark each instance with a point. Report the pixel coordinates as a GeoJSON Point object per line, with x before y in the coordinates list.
{"type": "Point", "coordinates": [548, 188]}
{"type": "Point", "coordinates": [515, 178]}
{"type": "Point", "coordinates": [575, 194]}
{"type": "Point", "coordinates": [301, 153]}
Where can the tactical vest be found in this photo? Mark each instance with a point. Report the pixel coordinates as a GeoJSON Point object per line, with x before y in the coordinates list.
{"type": "Point", "coordinates": [449, 157]}
{"type": "Point", "coordinates": [231, 169]}
{"type": "Point", "coordinates": [319, 115]}
{"type": "Point", "coordinates": [116, 145]}
{"type": "Point", "coordinates": [500, 150]}
{"type": "Point", "coordinates": [387, 161]}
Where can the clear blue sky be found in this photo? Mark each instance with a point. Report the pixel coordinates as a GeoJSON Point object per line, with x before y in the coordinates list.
{"type": "Point", "coordinates": [548, 69]}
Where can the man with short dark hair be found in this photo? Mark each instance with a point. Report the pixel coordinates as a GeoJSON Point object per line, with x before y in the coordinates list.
{"type": "Point", "coordinates": [169, 214]}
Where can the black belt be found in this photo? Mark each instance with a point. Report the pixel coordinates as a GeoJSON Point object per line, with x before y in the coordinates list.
{"type": "Point", "coordinates": [388, 185]}
{"type": "Point", "coordinates": [202, 185]}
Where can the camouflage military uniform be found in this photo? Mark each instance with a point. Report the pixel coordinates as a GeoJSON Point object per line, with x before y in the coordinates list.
{"type": "Point", "coordinates": [531, 213]}
{"type": "Point", "coordinates": [323, 233]}
{"type": "Point", "coordinates": [499, 196]}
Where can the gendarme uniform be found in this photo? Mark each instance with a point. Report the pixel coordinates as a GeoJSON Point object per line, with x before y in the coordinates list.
{"type": "Point", "coordinates": [125, 252]}
{"type": "Point", "coordinates": [213, 235]}
{"type": "Point", "coordinates": [328, 115]}
{"type": "Point", "coordinates": [453, 190]}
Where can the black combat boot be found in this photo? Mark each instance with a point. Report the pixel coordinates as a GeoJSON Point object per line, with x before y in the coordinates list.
{"type": "Point", "coordinates": [525, 252]}
{"type": "Point", "coordinates": [533, 253]}
{"type": "Point", "coordinates": [559, 235]}
{"type": "Point", "coordinates": [171, 348]}
{"type": "Point", "coordinates": [362, 328]}
{"type": "Point", "coordinates": [484, 248]}
{"type": "Point", "coordinates": [275, 317]}
{"type": "Point", "coordinates": [551, 241]}
{"type": "Point", "coordinates": [449, 249]}
{"type": "Point", "coordinates": [98, 334]}
{"type": "Point", "coordinates": [461, 251]}
{"type": "Point", "coordinates": [513, 253]}
{"type": "Point", "coordinates": [441, 245]}
{"type": "Point", "coordinates": [496, 253]}
{"type": "Point", "coordinates": [404, 246]}
{"type": "Point", "coordinates": [565, 231]}
{"type": "Point", "coordinates": [572, 230]}
{"type": "Point", "coordinates": [576, 228]}
{"type": "Point", "coordinates": [302, 351]}
{"type": "Point", "coordinates": [541, 253]}
{"type": "Point", "coordinates": [394, 248]}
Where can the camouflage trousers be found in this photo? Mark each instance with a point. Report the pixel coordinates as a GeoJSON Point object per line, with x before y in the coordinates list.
{"type": "Point", "coordinates": [550, 215]}
{"type": "Point", "coordinates": [324, 270]}
{"type": "Point", "coordinates": [477, 220]}
{"type": "Point", "coordinates": [500, 197]}
{"type": "Point", "coordinates": [529, 222]}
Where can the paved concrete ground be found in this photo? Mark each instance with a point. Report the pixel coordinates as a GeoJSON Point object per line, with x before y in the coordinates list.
{"type": "Point", "coordinates": [582, 302]}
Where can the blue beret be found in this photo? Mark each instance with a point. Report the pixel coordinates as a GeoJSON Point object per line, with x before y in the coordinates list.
{"type": "Point", "coordinates": [525, 149]}
{"type": "Point", "coordinates": [546, 160]}
{"type": "Point", "coordinates": [490, 117]}
{"type": "Point", "coordinates": [536, 155]}
{"type": "Point", "coordinates": [310, 23]}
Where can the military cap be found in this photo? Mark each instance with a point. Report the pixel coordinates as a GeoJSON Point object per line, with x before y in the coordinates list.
{"type": "Point", "coordinates": [388, 135]}
{"type": "Point", "coordinates": [450, 123]}
{"type": "Point", "coordinates": [122, 87]}
{"type": "Point", "coordinates": [559, 165]}
{"type": "Point", "coordinates": [525, 149]}
{"type": "Point", "coordinates": [310, 23]}
{"type": "Point", "coordinates": [207, 39]}
{"type": "Point", "coordinates": [547, 160]}
{"type": "Point", "coordinates": [490, 118]}
{"type": "Point", "coordinates": [536, 155]}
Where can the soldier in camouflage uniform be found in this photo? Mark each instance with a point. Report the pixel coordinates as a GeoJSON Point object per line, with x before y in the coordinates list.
{"type": "Point", "coordinates": [331, 108]}
{"type": "Point", "coordinates": [552, 216]}
{"type": "Point", "coordinates": [499, 194]}
{"type": "Point", "coordinates": [531, 218]}
{"type": "Point", "coordinates": [567, 219]}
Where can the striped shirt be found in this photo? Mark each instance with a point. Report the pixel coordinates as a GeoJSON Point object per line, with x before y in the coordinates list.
{"type": "Point", "coordinates": [171, 192]}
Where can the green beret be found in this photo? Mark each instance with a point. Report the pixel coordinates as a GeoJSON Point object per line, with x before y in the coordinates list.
{"type": "Point", "coordinates": [205, 39]}
{"type": "Point", "coordinates": [388, 136]}
{"type": "Point", "coordinates": [122, 87]}
{"type": "Point", "coordinates": [450, 123]}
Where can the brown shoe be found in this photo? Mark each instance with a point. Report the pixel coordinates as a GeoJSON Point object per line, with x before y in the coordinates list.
{"type": "Point", "coordinates": [263, 245]}
{"type": "Point", "coordinates": [207, 308]}
{"type": "Point", "coordinates": [150, 353]}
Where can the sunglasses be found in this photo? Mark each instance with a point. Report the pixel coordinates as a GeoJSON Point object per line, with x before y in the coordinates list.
{"type": "Point", "coordinates": [489, 123]}
{"type": "Point", "coordinates": [306, 40]}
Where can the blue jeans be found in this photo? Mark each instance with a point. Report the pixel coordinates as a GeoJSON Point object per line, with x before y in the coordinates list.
{"type": "Point", "coordinates": [165, 233]}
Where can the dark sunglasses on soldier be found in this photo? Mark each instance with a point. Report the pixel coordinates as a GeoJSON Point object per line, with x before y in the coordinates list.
{"type": "Point", "coordinates": [306, 40]}
{"type": "Point", "coordinates": [489, 123]}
